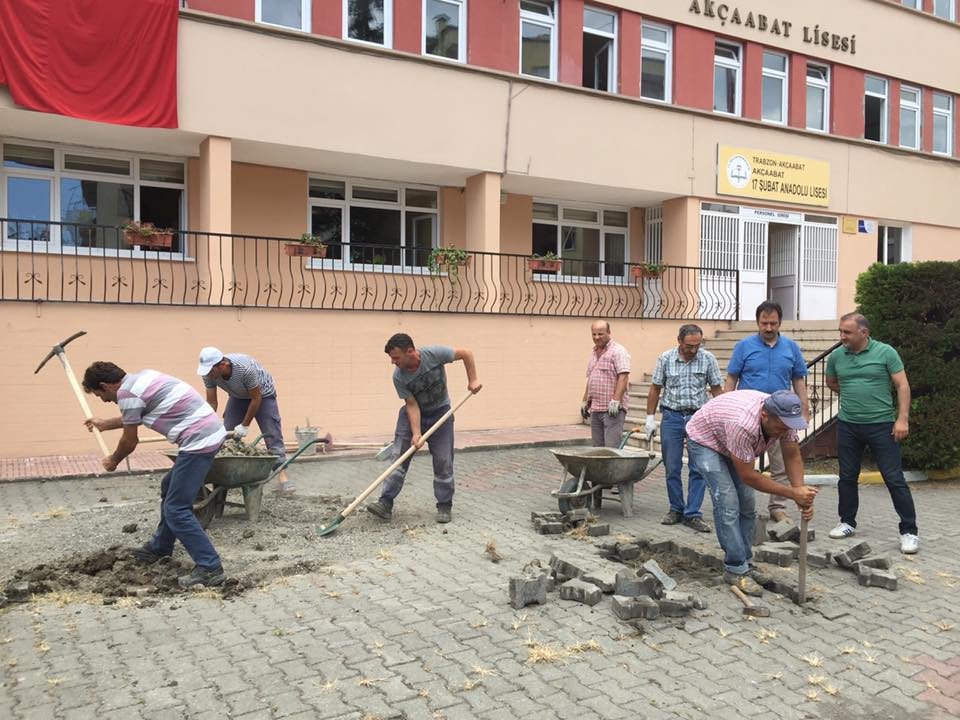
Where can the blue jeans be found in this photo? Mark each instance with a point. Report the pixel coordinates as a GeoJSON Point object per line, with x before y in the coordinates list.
{"type": "Point", "coordinates": [268, 420]}
{"type": "Point", "coordinates": [672, 434]}
{"type": "Point", "coordinates": [178, 490]}
{"type": "Point", "coordinates": [852, 438]}
{"type": "Point", "coordinates": [734, 508]}
{"type": "Point", "coordinates": [441, 449]}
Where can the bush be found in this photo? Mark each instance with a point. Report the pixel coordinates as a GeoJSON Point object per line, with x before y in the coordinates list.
{"type": "Point", "coordinates": [915, 307]}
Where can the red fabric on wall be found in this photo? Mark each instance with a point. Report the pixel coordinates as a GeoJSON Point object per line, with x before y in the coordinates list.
{"type": "Point", "coordinates": [112, 61]}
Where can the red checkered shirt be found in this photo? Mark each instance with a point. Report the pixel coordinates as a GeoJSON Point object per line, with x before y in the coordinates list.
{"type": "Point", "coordinates": [602, 372]}
{"type": "Point", "coordinates": [730, 425]}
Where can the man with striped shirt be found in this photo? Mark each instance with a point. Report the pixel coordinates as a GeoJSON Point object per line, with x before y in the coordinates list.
{"type": "Point", "coordinates": [682, 375]}
{"type": "Point", "coordinates": [605, 399]}
{"type": "Point", "coordinates": [251, 394]}
{"type": "Point", "coordinates": [174, 409]}
{"type": "Point", "coordinates": [724, 439]}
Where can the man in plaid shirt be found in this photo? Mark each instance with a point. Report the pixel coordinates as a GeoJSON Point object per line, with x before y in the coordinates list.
{"type": "Point", "coordinates": [605, 397]}
{"type": "Point", "coordinates": [682, 374]}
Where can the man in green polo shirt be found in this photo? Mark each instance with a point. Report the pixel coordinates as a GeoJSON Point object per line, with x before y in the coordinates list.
{"type": "Point", "coordinates": [862, 371]}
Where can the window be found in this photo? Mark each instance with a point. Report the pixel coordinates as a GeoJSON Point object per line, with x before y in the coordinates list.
{"type": "Point", "coordinates": [656, 62]}
{"type": "Point", "coordinates": [910, 117]}
{"type": "Point", "coordinates": [774, 94]}
{"type": "Point", "coordinates": [726, 79]}
{"type": "Point", "coordinates": [943, 9]}
{"type": "Point", "coordinates": [893, 245]}
{"type": "Point", "coordinates": [85, 189]}
{"type": "Point", "coordinates": [591, 241]}
{"type": "Point", "coordinates": [599, 49]}
{"type": "Point", "coordinates": [285, 13]}
{"type": "Point", "coordinates": [942, 124]}
{"type": "Point", "coordinates": [818, 98]}
{"type": "Point", "coordinates": [369, 21]}
{"type": "Point", "coordinates": [367, 223]}
{"type": "Point", "coordinates": [875, 109]}
{"type": "Point", "coordinates": [538, 39]}
{"type": "Point", "coordinates": [915, 4]}
{"type": "Point", "coordinates": [445, 29]}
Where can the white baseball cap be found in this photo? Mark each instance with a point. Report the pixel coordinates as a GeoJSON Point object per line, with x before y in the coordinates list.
{"type": "Point", "coordinates": [209, 356]}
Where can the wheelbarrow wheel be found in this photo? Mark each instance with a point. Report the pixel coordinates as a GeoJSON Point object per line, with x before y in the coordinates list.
{"type": "Point", "coordinates": [568, 486]}
{"type": "Point", "coordinates": [205, 512]}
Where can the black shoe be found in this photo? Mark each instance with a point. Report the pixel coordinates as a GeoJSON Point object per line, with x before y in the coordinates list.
{"type": "Point", "coordinates": [145, 555]}
{"type": "Point", "coordinates": [380, 510]}
{"type": "Point", "coordinates": [199, 576]}
{"type": "Point", "coordinates": [697, 523]}
{"type": "Point", "coordinates": [672, 518]}
{"type": "Point", "coordinates": [443, 514]}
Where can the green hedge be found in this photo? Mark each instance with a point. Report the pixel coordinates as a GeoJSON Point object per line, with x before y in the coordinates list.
{"type": "Point", "coordinates": [915, 307]}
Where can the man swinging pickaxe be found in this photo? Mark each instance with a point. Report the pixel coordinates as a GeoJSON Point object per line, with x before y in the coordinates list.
{"type": "Point", "coordinates": [58, 350]}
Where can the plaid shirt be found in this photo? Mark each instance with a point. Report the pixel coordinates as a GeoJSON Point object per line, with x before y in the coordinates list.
{"type": "Point", "coordinates": [730, 425]}
{"type": "Point", "coordinates": [602, 372]}
{"type": "Point", "coordinates": [685, 383]}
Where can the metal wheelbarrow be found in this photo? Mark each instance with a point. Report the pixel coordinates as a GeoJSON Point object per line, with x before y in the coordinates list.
{"type": "Point", "coordinates": [249, 473]}
{"type": "Point", "coordinates": [587, 472]}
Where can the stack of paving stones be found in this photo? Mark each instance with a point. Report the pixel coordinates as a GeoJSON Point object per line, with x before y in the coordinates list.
{"type": "Point", "coordinates": [871, 571]}
{"type": "Point", "coordinates": [555, 523]}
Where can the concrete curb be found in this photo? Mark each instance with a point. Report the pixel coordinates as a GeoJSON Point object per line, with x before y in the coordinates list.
{"type": "Point", "coordinates": [866, 478]}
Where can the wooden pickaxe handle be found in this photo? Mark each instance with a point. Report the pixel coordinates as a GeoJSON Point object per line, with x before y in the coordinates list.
{"type": "Point", "coordinates": [82, 399]}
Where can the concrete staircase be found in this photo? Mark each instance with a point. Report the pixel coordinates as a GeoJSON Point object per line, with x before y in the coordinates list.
{"type": "Point", "coordinates": [813, 336]}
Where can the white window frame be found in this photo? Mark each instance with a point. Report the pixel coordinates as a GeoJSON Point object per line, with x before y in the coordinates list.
{"type": "Point", "coordinates": [914, 107]}
{"type": "Point", "coordinates": [461, 33]}
{"type": "Point", "coordinates": [387, 25]}
{"type": "Point", "coordinates": [822, 84]}
{"type": "Point", "coordinates": [884, 119]}
{"type": "Point", "coordinates": [951, 10]}
{"type": "Point", "coordinates": [548, 21]}
{"type": "Point", "coordinates": [914, 4]}
{"type": "Point", "coordinates": [345, 205]}
{"type": "Point", "coordinates": [603, 229]}
{"type": "Point", "coordinates": [730, 65]}
{"type": "Point", "coordinates": [948, 115]}
{"type": "Point", "coordinates": [906, 241]}
{"type": "Point", "coordinates": [305, 13]}
{"type": "Point", "coordinates": [59, 173]}
{"type": "Point", "coordinates": [660, 48]}
{"type": "Point", "coordinates": [614, 45]}
{"type": "Point", "coordinates": [784, 77]}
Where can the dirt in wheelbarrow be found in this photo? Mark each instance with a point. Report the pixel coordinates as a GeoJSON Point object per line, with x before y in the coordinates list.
{"type": "Point", "coordinates": [82, 554]}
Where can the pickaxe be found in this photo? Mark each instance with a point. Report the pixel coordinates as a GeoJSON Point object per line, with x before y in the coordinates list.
{"type": "Point", "coordinates": [62, 356]}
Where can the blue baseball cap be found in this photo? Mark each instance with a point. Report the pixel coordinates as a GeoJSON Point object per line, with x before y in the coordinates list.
{"type": "Point", "coordinates": [786, 406]}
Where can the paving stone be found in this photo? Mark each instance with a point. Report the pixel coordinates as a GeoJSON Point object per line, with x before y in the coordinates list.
{"type": "Point", "coordinates": [673, 608]}
{"type": "Point", "coordinates": [528, 590]}
{"type": "Point", "coordinates": [662, 546]}
{"type": "Point", "coordinates": [632, 608]}
{"type": "Point", "coordinates": [870, 577]}
{"type": "Point", "coordinates": [544, 527]}
{"type": "Point", "coordinates": [653, 567]}
{"type": "Point", "coordinates": [628, 551]}
{"type": "Point", "coordinates": [627, 583]}
{"type": "Point", "coordinates": [548, 516]}
{"type": "Point", "coordinates": [576, 516]}
{"type": "Point", "coordinates": [793, 547]}
{"type": "Point", "coordinates": [846, 558]}
{"type": "Point", "coordinates": [603, 578]}
{"type": "Point", "coordinates": [773, 555]}
{"type": "Point", "coordinates": [819, 558]}
{"type": "Point", "coordinates": [598, 529]}
{"type": "Point", "coordinates": [783, 531]}
{"type": "Point", "coordinates": [567, 568]}
{"type": "Point", "coordinates": [580, 591]}
{"type": "Point", "coordinates": [677, 596]}
{"type": "Point", "coordinates": [880, 562]}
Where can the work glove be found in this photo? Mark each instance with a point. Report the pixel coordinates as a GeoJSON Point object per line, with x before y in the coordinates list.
{"type": "Point", "coordinates": [650, 426]}
{"type": "Point", "coordinates": [240, 431]}
{"type": "Point", "coordinates": [585, 409]}
{"type": "Point", "coordinates": [613, 409]}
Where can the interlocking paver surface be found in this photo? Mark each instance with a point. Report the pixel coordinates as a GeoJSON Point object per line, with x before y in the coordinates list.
{"type": "Point", "coordinates": [423, 628]}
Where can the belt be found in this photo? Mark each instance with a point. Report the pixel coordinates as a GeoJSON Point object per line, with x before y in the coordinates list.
{"type": "Point", "coordinates": [684, 411]}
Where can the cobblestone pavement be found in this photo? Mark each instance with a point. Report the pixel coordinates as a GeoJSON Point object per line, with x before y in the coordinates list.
{"type": "Point", "coordinates": [423, 629]}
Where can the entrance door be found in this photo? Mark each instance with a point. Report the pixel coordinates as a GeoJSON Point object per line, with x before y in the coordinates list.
{"type": "Point", "coordinates": [753, 266]}
{"type": "Point", "coordinates": [818, 262]}
{"type": "Point", "coordinates": [784, 266]}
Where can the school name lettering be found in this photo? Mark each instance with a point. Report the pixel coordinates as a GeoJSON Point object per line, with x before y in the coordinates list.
{"type": "Point", "coordinates": [768, 177]}
{"type": "Point", "coordinates": [814, 35]}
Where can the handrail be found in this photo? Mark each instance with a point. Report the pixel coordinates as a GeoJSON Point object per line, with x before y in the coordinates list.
{"type": "Point", "coordinates": [824, 402]}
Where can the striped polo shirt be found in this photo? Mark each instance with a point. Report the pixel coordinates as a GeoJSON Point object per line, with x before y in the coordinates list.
{"type": "Point", "coordinates": [246, 374]}
{"type": "Point", "coordinates": [730, 425]}
{"type": "Point", "coordinates": [172, 408]}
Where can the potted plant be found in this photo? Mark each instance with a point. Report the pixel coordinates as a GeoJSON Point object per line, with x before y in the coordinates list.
{"type": "Point", "coordinates": [648, 270]}
{"type": "Point", "coordinates": [547, 262]}
{"type": "Point", "coordinates": [308, 246]}
{"type": "Point", "coordinates": [450, 257]}
{"type": "Point", "coordinates": [147, 235]}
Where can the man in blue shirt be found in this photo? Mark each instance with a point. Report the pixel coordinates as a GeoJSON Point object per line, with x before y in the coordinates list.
{"type": "Point", "coordinates": [769, 361]}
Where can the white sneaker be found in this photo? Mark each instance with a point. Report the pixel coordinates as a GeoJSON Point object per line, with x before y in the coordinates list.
{"type": "Point", "coordinates": [909, 544]}
{"type": "Point", "coordinates": [842, 530]}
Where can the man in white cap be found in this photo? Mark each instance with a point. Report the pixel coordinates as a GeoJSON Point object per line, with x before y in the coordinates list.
{"type": "Point", "coordinates": [724, 439]}
{"type": "Point", "coordinates": [251, 395]}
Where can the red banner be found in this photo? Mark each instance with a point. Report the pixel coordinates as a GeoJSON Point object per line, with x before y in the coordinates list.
{"type": "Point", "coordinates": [113, 61]}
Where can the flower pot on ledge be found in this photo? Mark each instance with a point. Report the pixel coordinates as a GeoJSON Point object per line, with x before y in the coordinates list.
{"type": "Point", "coordinates": [542, 265]}
{"type": "Point", "coordinates": [638, 271]}
{"type": "Point", "coordinates": [159, 239]}
{"type": "Point", "coordinates": [302, 250]}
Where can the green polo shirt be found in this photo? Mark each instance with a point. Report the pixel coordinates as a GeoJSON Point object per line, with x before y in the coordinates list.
{"type": "Point", "coordinates": [866, 394]}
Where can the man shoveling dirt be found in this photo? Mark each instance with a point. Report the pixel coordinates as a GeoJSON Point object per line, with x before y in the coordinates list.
{"type": "Point", "coordinates": [173, 408]}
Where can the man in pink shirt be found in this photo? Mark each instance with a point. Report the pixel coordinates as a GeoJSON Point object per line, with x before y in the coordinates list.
{"type": "Point", "coordinates": [726, 436]}
{"type": "Point", "coordinates": [605, 397]}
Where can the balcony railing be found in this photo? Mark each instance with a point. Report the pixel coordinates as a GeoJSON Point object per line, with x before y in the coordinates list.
{"type": "Point", "coordinates": [62, 262]}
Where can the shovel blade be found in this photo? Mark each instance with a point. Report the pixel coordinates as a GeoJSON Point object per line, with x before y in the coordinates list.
{"type": "Point", "coordinates": [330, 526]}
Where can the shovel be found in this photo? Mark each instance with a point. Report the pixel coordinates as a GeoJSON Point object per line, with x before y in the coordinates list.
{"type": "Point", "coordinates": [330, 525]}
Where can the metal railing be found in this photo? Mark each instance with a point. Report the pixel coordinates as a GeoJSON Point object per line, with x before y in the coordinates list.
{"type": "Point", "coordinates": [824, 402]}
{"type": "Point", "coordinates": [65, 262]}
